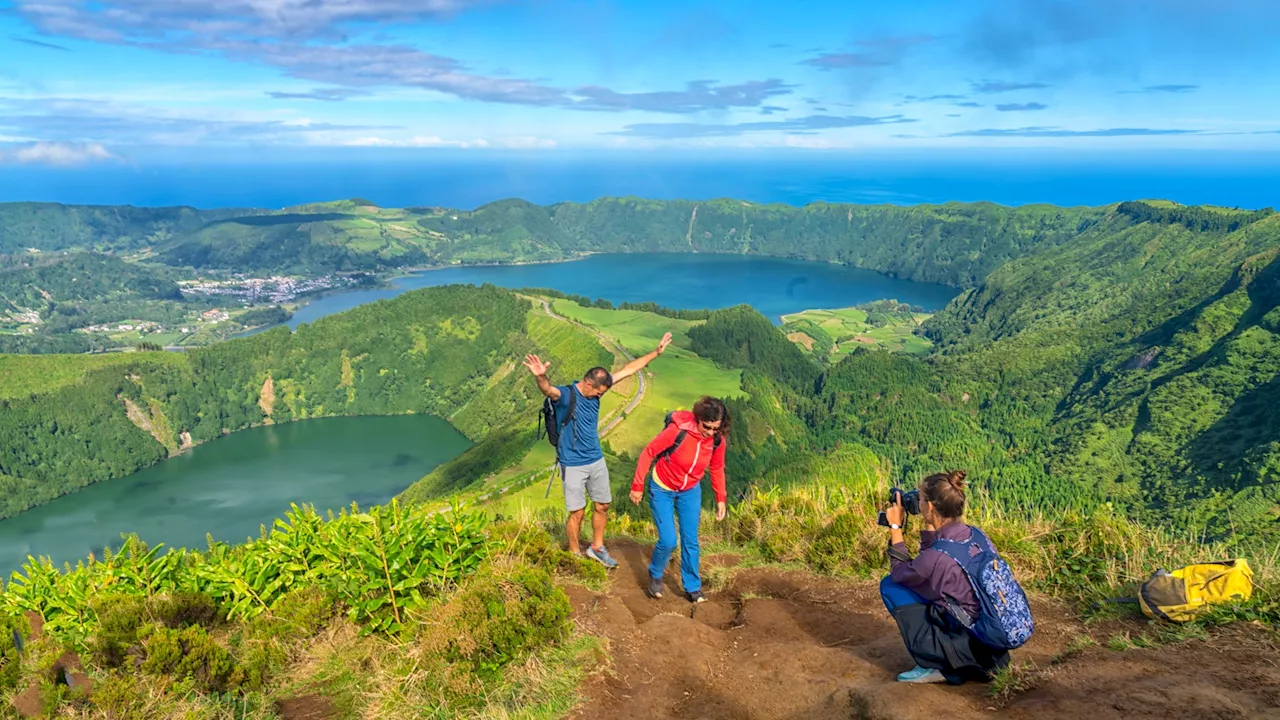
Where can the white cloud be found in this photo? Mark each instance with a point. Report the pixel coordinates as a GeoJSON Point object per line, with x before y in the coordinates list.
{"type": "Point", "coordinates": [72, 122]}
{"type": "Point", "coordinates": [321, 41]}
{"type": "Point", "coordinates": [528, 143]}
{"type": "Point", "coordinates": [812, 142]}
{"type": "Point", "coordinates": [62, 154]}
{"type": "Point", "coordinates": [432, 141]}
{"type": "Point", "coordinates": [418, 141]}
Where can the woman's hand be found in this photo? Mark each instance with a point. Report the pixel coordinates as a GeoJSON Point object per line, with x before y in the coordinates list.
{"type": "Point", "coordinates": [895, 513]}
{"type": "Point", "coordinates": [637, 496]}
{"type": "Point", "coordinates": [722, 509]}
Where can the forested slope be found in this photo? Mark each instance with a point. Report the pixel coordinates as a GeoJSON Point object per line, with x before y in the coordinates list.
{"type": "Point", "coordinates": [1137, 364]}
{"type": "Point", "coordinates": [54, 226]}
{"type": "Point", "coordinates": [957, 244]}
{"type": "Point", "coordinates": [1151, 354]}
{"type": "Point", "coordinates": [446, 351]}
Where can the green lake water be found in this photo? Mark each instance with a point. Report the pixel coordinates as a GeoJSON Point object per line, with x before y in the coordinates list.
{"type": "Point", "coordinates": [232, 486]}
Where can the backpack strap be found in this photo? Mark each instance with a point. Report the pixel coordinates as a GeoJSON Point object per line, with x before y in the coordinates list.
{"type": "Point", "coordinates": [680, 436]}
{"type": "Point", "coordinates": [568, 417]}
{"type": "Point", "coordinates": [952, 549]}
{"type": "Point", "coordinates": [979, 538]}
{"type": "Point", "coordinates": [573, 405]}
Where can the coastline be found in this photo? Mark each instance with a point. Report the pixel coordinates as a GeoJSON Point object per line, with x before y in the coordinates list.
{"type": "Point", "coordinates": [405, 272]}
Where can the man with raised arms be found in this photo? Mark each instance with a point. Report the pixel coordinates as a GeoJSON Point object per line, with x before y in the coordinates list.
{"type": "Point", "coordinates": [581, 459]}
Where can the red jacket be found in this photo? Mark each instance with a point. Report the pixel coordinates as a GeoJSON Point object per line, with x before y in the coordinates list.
{"type": "Point", "coordinates": [685, 467]}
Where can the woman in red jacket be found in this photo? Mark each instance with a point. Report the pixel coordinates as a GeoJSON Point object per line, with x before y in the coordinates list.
{"type": "Point", "coordinates": [690, 444]}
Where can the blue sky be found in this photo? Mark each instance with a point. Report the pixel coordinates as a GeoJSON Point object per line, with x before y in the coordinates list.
{"type": "Point", "coordinates": [85, 81]}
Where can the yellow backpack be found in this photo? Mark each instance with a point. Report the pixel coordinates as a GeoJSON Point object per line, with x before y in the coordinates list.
{"type": "Point", "coordinates": [1180, 595]}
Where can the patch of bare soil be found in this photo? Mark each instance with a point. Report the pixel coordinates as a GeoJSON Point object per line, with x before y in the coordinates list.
{"type": "Point", "coordinates": [803, 339]}
{"type": "Point", "coordinates": [267, 396]}
{"type": "Point", "coordinates": [306, 707]}
{"type": "Point", "coordinates": [781, 645]}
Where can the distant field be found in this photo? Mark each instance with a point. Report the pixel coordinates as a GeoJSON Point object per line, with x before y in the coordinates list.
{"type": "Point", "coordinates": [678, 378]}
{"type": "Point", "coordinates": [847, 329]}
{"type": "Point", "coordinates": [22, 375]}
{"type": "Point", "coordinates": [580, 352]}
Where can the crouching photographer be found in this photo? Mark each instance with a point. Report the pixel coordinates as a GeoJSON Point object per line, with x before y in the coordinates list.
{"type": "Point", "coordinates": [956, 603]}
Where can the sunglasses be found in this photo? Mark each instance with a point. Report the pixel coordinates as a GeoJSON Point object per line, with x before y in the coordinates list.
{"type": "Point", "coordinates": [709, 427]}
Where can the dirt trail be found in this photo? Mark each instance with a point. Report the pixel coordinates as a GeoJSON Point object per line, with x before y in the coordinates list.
{"type": "Point", "coordinates": [782, 646]}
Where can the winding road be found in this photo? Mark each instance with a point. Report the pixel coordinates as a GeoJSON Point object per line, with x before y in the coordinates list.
{"type": "Point", "coordinates": [612, 420]}
{"type": "Point", "coordinates": [618, 415]}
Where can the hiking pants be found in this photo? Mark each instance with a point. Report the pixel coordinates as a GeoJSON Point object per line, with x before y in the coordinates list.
{"type": "Point", "coordinates": [669, 507]}
{"type": "Point", "coordinates": [936, 639]}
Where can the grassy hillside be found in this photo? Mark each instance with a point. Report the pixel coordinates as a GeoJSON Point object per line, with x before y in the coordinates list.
{"type": "Point", "coordinates": [107, 228]}
{"type": "Point", "coordinates": [28, 375]}
{"type": "Point", "coordinates": [831, 335]}
{"type": "Point", "coordinates": [333, 236]}
{"type": "Point", "coordinates": [676, 379]}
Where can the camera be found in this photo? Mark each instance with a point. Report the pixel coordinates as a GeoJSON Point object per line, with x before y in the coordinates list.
{"type": "Point", "coordinates": [910, 503]}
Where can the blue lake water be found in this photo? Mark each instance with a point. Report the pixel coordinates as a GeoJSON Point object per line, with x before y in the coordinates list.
{"type": "Point", "coordinates": [774, 286]}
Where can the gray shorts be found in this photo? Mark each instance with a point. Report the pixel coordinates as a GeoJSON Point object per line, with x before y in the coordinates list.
{"type": "Point", "coordinates": [584, 480]}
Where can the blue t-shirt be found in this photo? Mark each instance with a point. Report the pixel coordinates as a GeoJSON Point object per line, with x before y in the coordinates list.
{"type": "Point", "coordinates": [580, 439]}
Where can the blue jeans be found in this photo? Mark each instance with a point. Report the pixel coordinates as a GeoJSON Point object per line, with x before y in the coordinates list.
{"type": "Point", "coordinates": [935, 639]}
{"type": "Point", "coordinates": [667, 506]}
{"type": "Point", "coordinates": [896, 596]}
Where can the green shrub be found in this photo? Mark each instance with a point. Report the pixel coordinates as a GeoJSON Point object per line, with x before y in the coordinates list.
{"type": "Point", "coordinates": [190, 654]}
{"type": "Point", "coordinates": [505, 612]}
{"type": "Point", "coordinates": [122, 617]}
{"type": "Point", "coordinates": [781, 524]}
{"type": "Point", "coordinates": [121, 695]}
{"type": "Point", "coordinates": [537, 547]}
{"type": "Point", "coordinates": [847, 545]}
{"type": "Point", "coordinates": [1271, 321]}
{"type": "Point", "coordinates": [266, 643]}
{"type": "Point", "coordinates": [10, 659]}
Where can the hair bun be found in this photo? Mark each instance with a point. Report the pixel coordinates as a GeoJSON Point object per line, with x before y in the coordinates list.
{"type": "Point", "coordinates": [956, 478]}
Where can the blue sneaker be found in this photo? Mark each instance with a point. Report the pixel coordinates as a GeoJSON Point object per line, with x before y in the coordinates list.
{"type": "Point", "coordinates": [918, 674]}
{"type": "Point", "coordinates": [602, 556]}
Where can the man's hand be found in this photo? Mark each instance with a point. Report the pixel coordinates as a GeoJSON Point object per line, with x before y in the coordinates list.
{"type": "Point", "coordinates": [895, 513]}
{"type": "Point", "coordinates": [536, 366]}
{"type": "Point", "coordinates": [638, 364]}
{"type": "Point", "coordinates": [637, 496]}
{"type": "Point", "coordinates": [721, 510]}
{"type": "Point", "coordinates": [662, 345]}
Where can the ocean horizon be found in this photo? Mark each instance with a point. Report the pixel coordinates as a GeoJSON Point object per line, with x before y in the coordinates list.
{"type": "Point", "coordinates": [467, 180]}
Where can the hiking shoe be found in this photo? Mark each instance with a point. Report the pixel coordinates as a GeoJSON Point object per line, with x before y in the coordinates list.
{"type": "Point", "coordinates": [602, 556]}
{"type": "Point", "coordinates": [696, 597]}
{"type": "Point", "coordinates": [918, 674]}
{"type": "Point", "coordinates": [655, 588]}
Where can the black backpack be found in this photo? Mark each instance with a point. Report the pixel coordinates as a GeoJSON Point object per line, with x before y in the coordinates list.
{"type": "Point", "coordinates": [680, 436]}
{"type": "Point", "coordinates": [547, 421]}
